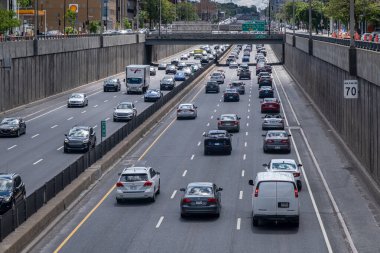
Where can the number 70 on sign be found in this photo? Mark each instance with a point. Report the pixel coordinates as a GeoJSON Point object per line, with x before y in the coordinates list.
{"type": "Point", "coordinates": [351, 89]}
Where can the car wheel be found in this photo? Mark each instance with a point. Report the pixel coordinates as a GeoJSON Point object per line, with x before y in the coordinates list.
{"type": "Point", "coordinates": [299, 185]}
{"type": "Point", "coordinates": [119, 201]}
{"type": "Point", "coordinates": [296, 223]}
{"type": "Point", "coordinates": [153, 198]}
{"type": "Point", "coordinates": [265, 150]}
{"type": "Point", "coordinates": [18, 133]}
{"type": "Point", "coordinates": [65, 150]}
{"type": "Point", "coordinates": [183, 216]}
{"type": "Point", "coordinates": [159, 187]}
{"type": "Point", "coordinates": [105, 90]}
{"type": "Point", "coordinates": [255, 222]}
{"type": "Point", "coordinates": [229, 152]}
{"type": "Point", "coordinates": [217, 215]}
{"type": "Point", "coordinates": [289, 151]}
{"type": "Point", "coordinates": [206, 152]}
{"type": "Point", "coordinates": [114, 120]}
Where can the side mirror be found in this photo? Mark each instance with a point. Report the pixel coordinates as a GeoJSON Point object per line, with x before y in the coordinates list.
{"type": "Point", "coordinates": [265, 165]}
{"type": "Point", "coordinates": [250, 182]}
{"type": "Point", "coordinates": [204, 134]}
{"type": "Point", "coordinates": [238, 118]}
{"type": "Point", "coordinates": [119, 174]}
{"type": "Point", "coordinates": [219, 189]}
{"type": "Point", "coordinates": [289, 135]}
{"type": "Point", "coordinates": [299, 165]}
{"type": "Point", "coordinates": [158, 173]}
{"type": "Point", "coordinates": [231, 135]}
{"type": "Point", "coordinates": [66, 135]}
{"type": "Point", "coordinates": [124, 80]}
{"type": "Point", "coordinates": [182, 189]}
{"type": "Point", "coordinates": [218, 118]}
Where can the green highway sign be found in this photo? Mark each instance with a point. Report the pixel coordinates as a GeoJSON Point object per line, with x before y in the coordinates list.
{"type": "Point", "coordinates": [255, 25]}
{"type": "Point", "coordinates": [103, 128]}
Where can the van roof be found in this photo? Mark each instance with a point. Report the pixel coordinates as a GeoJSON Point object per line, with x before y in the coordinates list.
{"type": "Point", "coordinates": [274, 176]}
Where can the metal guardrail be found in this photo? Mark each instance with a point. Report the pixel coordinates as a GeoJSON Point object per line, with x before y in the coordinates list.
{"type": "Point", "coordinates": [25, 208]}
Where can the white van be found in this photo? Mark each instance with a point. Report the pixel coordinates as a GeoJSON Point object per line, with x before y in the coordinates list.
{"type": "Point", "coordinates": [275, 198]}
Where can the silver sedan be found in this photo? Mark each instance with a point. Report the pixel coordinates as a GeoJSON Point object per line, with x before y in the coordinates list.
{"type": "Point", "coordinates": [188, 111]}
{"type": "Point", "coordinates": [229, 122]}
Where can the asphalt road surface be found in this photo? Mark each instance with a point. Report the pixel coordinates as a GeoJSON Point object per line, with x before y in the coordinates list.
{"type": "Point", "coordinates": [337, 212]}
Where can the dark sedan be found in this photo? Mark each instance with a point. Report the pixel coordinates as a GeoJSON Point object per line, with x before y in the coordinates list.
{"type": "Point", "coordinates": [152, 95]}
{"type": "Point", "coordinates": [12, 190]}
{"type": "Point", "coordinates": [167, 83]}
{"type": "Point", "coordinates": [273, 122]}
{"type": "Point", "coordinates": [80, 138]}
{"type": "Point", "coordinates": [266, 92]}
{"type": "Point", "coordinates": [170, 69]}
{"type": "Point", "coordinates": [239, 86]}
{"type": "Point", "coordinates": [218, 141]}
{"type": "Point", "coordinates": [231, 95]}
{"type": "Point", "coordinates": [212, 86]}
{"type": "Point", "coordinates": [12, 127]}
{"type": "Point", "coordinates": [201, 198]}
{"type": "Point", "coordinates": [276, 140]}
{"type": "Point", "coordinates": [162, 66]}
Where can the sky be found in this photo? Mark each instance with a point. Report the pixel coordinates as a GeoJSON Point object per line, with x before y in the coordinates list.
{"type": "Point", "coordinates": [260, 4]}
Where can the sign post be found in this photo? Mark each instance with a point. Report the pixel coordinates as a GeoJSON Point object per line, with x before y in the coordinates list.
{"type": "Point", "coordinates": [351, 89]}
{"type": "Point", "coordinates": [103, 130]}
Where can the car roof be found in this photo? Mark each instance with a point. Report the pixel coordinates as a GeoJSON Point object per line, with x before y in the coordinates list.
{"type": "Point", "coordinates": [283, 161]}
{"type": "Point", "coordinates": [185, 104]}
{"type": "Point", "coordinates": [132, 170]}
{"type": "Point", "coordinates": [228, 114]}
{"type": "Point", "coordinates": [125, 103]}
{"type": "Point", "coordinates": [81, 127]}
{"type": "Point", "coordinates": [8, 176]}
{"type": "Point", "coordinates": [217, 132]}
{"type": "Point", "coordinates": [200, 184]}
{"type": "Point", "coordinates": [274, 176]}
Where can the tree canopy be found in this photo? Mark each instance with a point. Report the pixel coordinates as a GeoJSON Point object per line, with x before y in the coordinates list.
{"type": "Point", "coordinates": [8, 20]}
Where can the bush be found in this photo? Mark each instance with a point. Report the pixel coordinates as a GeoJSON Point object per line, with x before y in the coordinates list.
{"type": "Point", "coordinates": [94, 26]}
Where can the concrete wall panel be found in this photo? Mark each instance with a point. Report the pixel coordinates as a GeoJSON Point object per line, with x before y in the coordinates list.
{"type": "Point", "coordinates": [302, 44]}
{"type": "Point", "coordinates": [331, 53]}
{"type": "Point", "coordinates": [369, 65]}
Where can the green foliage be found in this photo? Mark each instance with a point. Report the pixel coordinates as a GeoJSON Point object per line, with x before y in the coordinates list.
{"type": "Point", "coordinates": [186, 11]}
{"type": "Point", "coordinates": [232, 9]}
{"type": "Point", "coordinates": [24, 3]}
{"type": "Point", "coordinates": [127, 24]}
{"type": "Point", "coordinates": [94, 26]}
{"type": "Point", "coordinates": [70, 30]}
{"type": "Point", "coordinates": [8, 20]}
{"type": "Point", "coordinates": [71, 17]}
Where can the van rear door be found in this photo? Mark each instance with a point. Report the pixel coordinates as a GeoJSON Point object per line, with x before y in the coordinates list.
{"type": "Point", "coordinates": [287, 202]}
{"type": "Point", "coordinates": [266, 202]}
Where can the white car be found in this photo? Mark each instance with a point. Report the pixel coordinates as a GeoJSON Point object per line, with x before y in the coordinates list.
{"type": "Point", "coordinates": [233, 65]}
{"type": "Point", "coordinates": [288, 166]}
{"type": "Point", "coordinates": [77, 99]}
{"type": "Point", "coordinates": [217, 77]}
{"type": "Point", "coordinates": [138, 183]}
{"type": "Point", "coordinates": [186, 111]}
{"type": "Point", "coordinates": [184, 57]}
{"type": "Point", "coordinates": [124, 111]}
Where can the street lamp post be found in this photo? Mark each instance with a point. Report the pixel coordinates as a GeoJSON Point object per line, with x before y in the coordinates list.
{"type": "Point", "coordinates": [352, 50]}
{"type": "Point", "coordinates": [159, 27]}
{"type": "Point", "coordinates": [294, 24]}
{"type": "Point", "coordinates": [269, 18]}
{"type": "Point", "coordinates": [310, 31]}
{"type": "Point", "coordinates": [35, 19]}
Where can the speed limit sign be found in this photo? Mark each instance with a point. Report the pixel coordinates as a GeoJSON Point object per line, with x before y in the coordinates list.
{"type": "Point", "coordinates": [351, 89]}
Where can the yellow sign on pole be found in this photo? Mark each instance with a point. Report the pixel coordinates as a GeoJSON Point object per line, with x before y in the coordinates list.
{"type": "Point", "coordinates": [74, 7]}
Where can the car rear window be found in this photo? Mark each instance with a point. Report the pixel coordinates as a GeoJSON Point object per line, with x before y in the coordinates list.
{"type": "Point", "coordinates": [267, 189]}
{"type": "Point", "coordinates": [227, 117]}
{"type": "Point", "coordinates": [278, 134]}
{"type": "Point", "coordinates": [199, 190]}
{"type": "Point", "coordinates": [283, 166]}
{"type": "Point", "coordinates": [133, 177]}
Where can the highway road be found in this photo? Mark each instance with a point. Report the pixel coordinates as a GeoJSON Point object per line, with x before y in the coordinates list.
{"type": "Point", "coordinates": [338, 213]}
{"type": "Point", "coordinates": [38, 155]}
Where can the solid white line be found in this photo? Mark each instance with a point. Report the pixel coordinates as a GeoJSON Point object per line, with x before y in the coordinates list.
{"type": "Point", "coordinates": [95, 126]}
{"type": "Point", "coordinates": [173, 194]}
{"type": "Point", "coordinates": [192, 157]}
{"type": "Point", "coordinates": [241, 195]}
{"type": "Point", "coordinates": [160, 221]}
{"type": "Point", "coordinates": [95, 106]}
{"type": "Point", "coordinates": [244, 156]}
{"type": "Point", "coordinates": [34, 136]}
{"type": "Point", "coordinates": [199, 143]}
{"type": "Point", "coordinates": [54, 126]}
{"type": "Point", "coordinates": [107, 119]}
{"type": "Point", "coordinates": [242, 173]}
{"type": "Point", "coordinates": [70, 118]}
{"type": "Point", "coordinates": [245, 144]}
{"type": "Point", "coordinates": [208, 124]}
{"type": "Point", "coordinates": [105, 101]}
{"type": "Point", "coordinates": [60, 148]}
{"type": "Point", "coordinates": [37, 162]}
{"type": "Point", "coordinates": [238, 224]}
{"type": "Point", "coordinates": [184, 173]}
{"type": "Point", "coordinates": [12, 147]}
{"type": "Point", "coordinates": [84, 111]}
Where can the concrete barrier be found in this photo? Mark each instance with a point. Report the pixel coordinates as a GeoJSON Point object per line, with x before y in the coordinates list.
{"type": "Point", "coordinates": [302, 44]}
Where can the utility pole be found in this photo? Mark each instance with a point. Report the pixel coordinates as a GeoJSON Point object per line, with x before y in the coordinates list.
{"type": "Point", "coordinates": [310, 31]}
{"type": "Point", "coordinates": [294, 24]}
{"type": "Point", "coordinates": [35, 19]}
{"type": "Point", "coordinates": [137, 14]}
{"type": "Point", "coordinates": [352, 51]}
{"type": "Point", "coordinates": [269, 18]}
{"type": "Point", "coordinates": [159, 27]}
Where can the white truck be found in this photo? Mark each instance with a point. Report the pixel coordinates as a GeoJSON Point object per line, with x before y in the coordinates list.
{"type": "Point", "coordinates": [137, 78]}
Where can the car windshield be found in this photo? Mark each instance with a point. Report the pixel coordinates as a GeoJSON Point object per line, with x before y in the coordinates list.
{"type": "Point", "coordinates": [216, 74]}
{"type": "Point", "coordinates": [270, 100]}
{"type": "Point", "coordinates": [199, 190]}
{"type": "Point", "coordinates": [76, 96]}
{"type": "Point", "coordinates": [5, 185]}
{"type": "Point", "coordinates": [77, 132]}
{"type": "Point", "coordinates": [9, 121]}
{"type": "Point", "coordinates": [152, 91]}
{"type": "Point", "coordinates": [227, 117]}
{"type": "Point", "coordinates": [283, 166]}
{"type": "Point", "coordinates": [134, 80]}
{"type": "Point", "coordinates": [277, 134]}
{"type": "Point", "coordinates": [133, 177]}
{"type": "Point", "coordinates": [124, 106]}
{"type": "Point", "coordinates": [185, 106]}
{"type": "Point", "coordinates": [180, 73]}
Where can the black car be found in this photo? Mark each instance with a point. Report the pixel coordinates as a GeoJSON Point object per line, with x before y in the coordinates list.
{"type": "Point", "coordinates": [152, 95]}
{"type": "Point", "coordinates": [217, 141]}
{"type": "Point", "coordinates": [12, 127]}
{"type": "Point", "coordinates": [201, 198]}
{"type": "Point", "coordinates": [245, 74]}
{"type": "Point", "coordinates": [12, 190]}
{"type": "Point", "coordinates": [266, 92]}
{"type": "Point", "coordinates": [181, 65]}
{"type": "Point", "coordinates": [174, 62]}
{"type": "Point", "coordinates": [212, 86]}
{"type": "Point", "coordinates": [231, 95]}
{"type": "Point", "coordinates": [167, 83]}
{"type": "Point", "coordinates": [265, 81]}
{"type": "Point", "coordinates": [112, 84]}
{"type": "Point", "coordinates": [239, 86]}
{"type": "Point", "coordinates": [171, 69]}
{"type": "Point", "coordinates": [204, 60]}
{"type": "Point", "coordinates": [80, 138]}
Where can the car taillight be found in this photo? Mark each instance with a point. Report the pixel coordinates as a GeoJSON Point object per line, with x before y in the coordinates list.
{"type": "Point", "coordinates": [256, 192]}
{"type": "Point", "coordinates": [179, 110]}
{"type": "Point", "coordinates": [296, 174]}
{"type": "Point", "coordinates": [296, 192]}
{"type": "Point", "coordinates": [148, 183]}
{"type": "Point", "coordinates": [186, 200]}
{"type": "Point", "coordinates": [236, 122]}
{"type": "Point", "coordinates": [219, 122]}
{"type": "Point", "coordinates": [191, 110]}
{"type": "Point", "coordinates": [211, 200]}
{"type": "Point", "coordinates": [119, 184]}
{"type": "Point", "coordinates": [284, 141]}
{"type": "Point", "coordinates": [269, 141]}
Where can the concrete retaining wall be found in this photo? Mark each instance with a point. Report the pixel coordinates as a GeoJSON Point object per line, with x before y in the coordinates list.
{"type": "Point", "coordinates": [356, 120]}
{"type": "Point", "coordinates": [64, 64]}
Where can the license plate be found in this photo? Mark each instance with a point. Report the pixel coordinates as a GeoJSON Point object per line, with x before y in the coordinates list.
{"type": "Point", "coordinates": [198, 202]}
{"type": "Point", "coordinates": [231, 97]}
{"type": "Point", "coordinates": [270, 106]}
{"type": "Point", "coordinates": [283, 204]}
{"type": "Point", "coordinates": [217, 144]}
{"type": "Point", "coordinates": [227, 124]}
{"type": "Point", "coordinates": [277, 147]}
{"type": "Point", "coordinates": [133, 187]}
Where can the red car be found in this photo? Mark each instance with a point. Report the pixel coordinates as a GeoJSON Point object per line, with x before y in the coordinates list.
{"type": "Point", "coordinates": [270, 105]}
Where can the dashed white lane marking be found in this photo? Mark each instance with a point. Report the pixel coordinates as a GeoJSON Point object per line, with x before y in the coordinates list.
{"type": "Point", "coordinates": [173, 194]}
{"type": "Point", "coordinates": [245, 144]}
{"type": "Point", "coordinates": [84, 111]}
{"type": "Point", "coordinates": [192, 157]}
{"type": "Point", "coordinates": [95, 106]}
{"type": "Point", "coordinates": [61, 147]}
{"type": "Point", "coordinates": [241, 195]}
{"type": "Point", "coordinates": [247, 124]}
{"type": "Point", "coordinates": [105, 101]}
{"type": "Point", "coordinates": [107, 119]}
{"type": "Point", "coordinates": [116, 96]}
{"type": "Point", "coordinates": [246, 133]}
{"type": "Point", "coordinates": [184, 173]}
{"type": "Point", "coordinates": [70, 118]}
{"type": "Point", "coordinates": [212, 116]}
{"type": "Point", "coordinates": [12, 147]}
{"type": "Point", "coordinates": [238, 223]}
{"type": "Point", "coordinates": [250, 95]}
{"type": "Point", "coordinates": [249, 110]}
{"type": "Point", "coordinates": [215, 110]}
{"type": "Point", "coordinates": [54, 126]}
{"type": "Point", "coordinates": [242, 173]}
{"type": "Point", "coordinates": [95, 126]}
{"type": "Point", "coordinates": [38, 161]}
{"type": "Point", "coordinates": [244, 156]}
{"type": "Point", "coordinates": [159, 221]}
{"type": "Point", "coordinates": [136, 101]}
{"type": "Point", "coordinates": [203, 133]}
{"type": "Point", "coordinates": [248, 117]}
{"type": "Point", "coordinates": [34, 136]}
{"type": "Point", "coordinates": [199, 143]}
{"type": "Point", "coordinates": [208, 124]}
{"type": "Point", "coordinates": [220, 100]}
{"type": "Point", "coordinates": [249, 100]}
{"type": "Point", "coordinates": [249, 105]}
{"type": "Point", "coordinates": [217, 105]}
